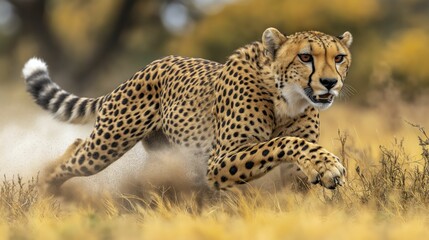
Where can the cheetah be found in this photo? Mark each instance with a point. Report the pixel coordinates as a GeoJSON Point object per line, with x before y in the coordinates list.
{"type": "Point", "coordinates": [243, 117]}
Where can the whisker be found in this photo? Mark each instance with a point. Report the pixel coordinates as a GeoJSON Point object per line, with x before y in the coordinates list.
{"type": "Point", "coordinates": [351, 89]}
{"type": "Point", "coordinates": [347, 91]}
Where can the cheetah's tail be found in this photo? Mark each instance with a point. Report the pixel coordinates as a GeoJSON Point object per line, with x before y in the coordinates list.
{"type": "Point", "coordinates": [47, 94]}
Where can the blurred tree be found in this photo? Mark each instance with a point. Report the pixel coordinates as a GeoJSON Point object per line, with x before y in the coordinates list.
{"type": "Point", "coordinates": [78, 38]}
{"type": "Point", "coordinates": [38, 24]}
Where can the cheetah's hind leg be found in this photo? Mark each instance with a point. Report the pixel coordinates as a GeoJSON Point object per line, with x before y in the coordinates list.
{"type": "Point", "coordinates": [48, 185]}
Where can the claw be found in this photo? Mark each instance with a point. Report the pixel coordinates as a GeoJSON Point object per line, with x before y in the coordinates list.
{"type": "Point", "coordinates": [342, 182]}
{"type": "Point", "coordinates": [337, 180]}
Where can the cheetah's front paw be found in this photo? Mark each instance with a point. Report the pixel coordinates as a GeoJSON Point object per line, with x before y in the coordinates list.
{"type": "Point", "coordinates": [324, 168]}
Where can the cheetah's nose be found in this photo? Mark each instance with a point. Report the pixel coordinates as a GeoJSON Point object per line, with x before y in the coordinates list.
{"type": "Point", "coordinates": [329, 83]}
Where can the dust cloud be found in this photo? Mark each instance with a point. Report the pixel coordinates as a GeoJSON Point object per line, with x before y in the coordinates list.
{"type": "Point", "coordinates": [30, 144]}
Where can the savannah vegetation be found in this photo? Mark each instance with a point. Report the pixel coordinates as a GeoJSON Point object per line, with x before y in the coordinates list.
{"type": "Point", "coordinates": [379, 127]}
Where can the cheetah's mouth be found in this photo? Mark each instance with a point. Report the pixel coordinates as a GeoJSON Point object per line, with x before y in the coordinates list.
{"type": "Point", "coordinates": [326, 98]}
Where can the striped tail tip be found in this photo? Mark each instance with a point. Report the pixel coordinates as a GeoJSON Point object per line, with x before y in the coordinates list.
{"type": "Point", "coordinates": [34, 65]}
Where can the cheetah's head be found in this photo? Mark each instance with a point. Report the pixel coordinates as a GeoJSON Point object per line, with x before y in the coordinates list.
{"type": "Point", "coordinates": [308, 66]}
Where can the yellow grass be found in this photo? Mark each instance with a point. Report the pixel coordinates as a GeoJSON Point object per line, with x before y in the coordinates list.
{"type": "Point", "coordinates": [373, 205]}
{"type": "Point", "coordinates": [273, 216]}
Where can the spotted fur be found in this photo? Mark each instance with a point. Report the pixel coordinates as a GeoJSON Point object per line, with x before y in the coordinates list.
{"type": "Point", "coordinates": [244, 117]}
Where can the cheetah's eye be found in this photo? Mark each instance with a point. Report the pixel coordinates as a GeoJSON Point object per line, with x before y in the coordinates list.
{"type": "Point", "coordinates": [339, 58]}
{"type": "Point", "coordinates": [305, 57]}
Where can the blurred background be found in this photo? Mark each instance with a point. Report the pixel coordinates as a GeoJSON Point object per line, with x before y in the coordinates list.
{"type": "Point", "coordinates": [91, 46]}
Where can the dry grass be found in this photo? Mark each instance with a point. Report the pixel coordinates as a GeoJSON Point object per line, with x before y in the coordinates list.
{"type": "Point", "coordinates": [386, 200]}
{"type": "Point", "coordinates": [17, 197]}
{"type": "Point", "coordinates": [386, 197]}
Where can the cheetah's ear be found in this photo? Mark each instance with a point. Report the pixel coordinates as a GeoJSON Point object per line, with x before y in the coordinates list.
{"type": "Point", "coordinates": [272, 39]}
{"type": "Point", "coordinates": [346, 39]}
